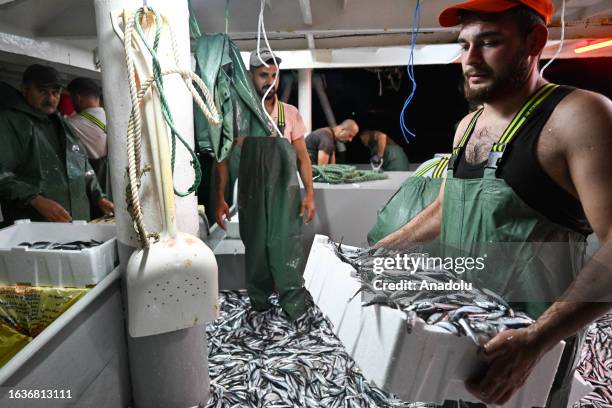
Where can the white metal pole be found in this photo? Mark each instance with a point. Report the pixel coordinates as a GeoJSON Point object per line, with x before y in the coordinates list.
{"type": "Point", "coordinates": [305, 97]}
{"type": "Point", "coordinates": [171, 369]}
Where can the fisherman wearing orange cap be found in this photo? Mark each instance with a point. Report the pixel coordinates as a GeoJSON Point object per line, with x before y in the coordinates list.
{"type": "Point", "coordinates": [530, 166]}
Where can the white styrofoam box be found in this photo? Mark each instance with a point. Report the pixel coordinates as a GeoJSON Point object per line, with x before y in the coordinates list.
{"type": "Point", "coordinates": [425, 364]}
{"type": "Point", "coordinates": [44, 267]}
{"type": "Point", "coordinates": [231, 227]}
{"type": "Point", "coordinates": [580, 388]}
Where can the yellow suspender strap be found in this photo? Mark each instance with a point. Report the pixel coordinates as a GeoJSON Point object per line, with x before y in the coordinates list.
{"type": "Point", "coordinates": [468, 132]}
{"type": "Point", "coordinates": [442, 165]}
{"type": "Point", "coordinates": [97, 122]}
{"type": "Point", "coordinates": [426, 169]}
{"type": "Point", "coordinates": [518, 121]}
{"type": "Point", "coordinates": [281, 115]}
{"type": "Point", "coordinates": [439, 166]}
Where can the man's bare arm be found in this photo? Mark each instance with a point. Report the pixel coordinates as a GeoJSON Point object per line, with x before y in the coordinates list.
{"type": "Point", "coordinates": [221, 175]}
{"type": "Point", "coordinates": [426, 225]}
{"type": "Point", "coordinates": [381, 143]}
{"type": "Point", "coordinates": [322, 157]}
{"type": "Point", "coordinates": [584, 125]}
{"type": "Point", "coordinates": [587, 135]}
{"type": "Point", "coordinates": [305, 169]}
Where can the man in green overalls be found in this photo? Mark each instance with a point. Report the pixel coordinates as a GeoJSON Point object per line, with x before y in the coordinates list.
{"type": "Point", "coordinates": [44, 172]}
{"type": "Point", "coordinates": [384, 152]}
{"type": "Point", "coordinates": [270, 207]}
{"type": "Point", "coordinates": [529, 168]}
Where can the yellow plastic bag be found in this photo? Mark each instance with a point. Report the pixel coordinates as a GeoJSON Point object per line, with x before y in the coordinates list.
{"type": "Point", "coordinates": [25, 311]}
{"type": "Point", "coordinates": [11, 341]}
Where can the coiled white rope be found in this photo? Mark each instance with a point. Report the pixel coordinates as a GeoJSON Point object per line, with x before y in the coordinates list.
{"type": "Point", "coordinates": [134, 131]}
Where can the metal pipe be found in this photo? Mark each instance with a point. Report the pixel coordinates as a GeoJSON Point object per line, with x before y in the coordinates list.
{"type": "Point", "coordinates": [170, 369]}
{"type": "Point", "coordinates": [287, 82]}
{"type": "Point", "coordinates": [305, 97]}
{"type": "Point", "coordinates": [317, 83]}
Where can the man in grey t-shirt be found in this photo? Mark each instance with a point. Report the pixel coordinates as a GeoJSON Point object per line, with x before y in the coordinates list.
{"type": "Point", "coordinates": [321, 142]}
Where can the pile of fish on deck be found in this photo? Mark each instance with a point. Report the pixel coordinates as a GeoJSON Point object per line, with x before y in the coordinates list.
{"type": "Point", "coordinates": [479, 313]}
{"type": "Point", "coordinates": [259, 359]}
{"type": "Point", "coordinates": [596, 364]}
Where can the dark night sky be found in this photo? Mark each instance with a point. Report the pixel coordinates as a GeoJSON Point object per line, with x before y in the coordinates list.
{"type": "Point", "coordinates": [437, 106]}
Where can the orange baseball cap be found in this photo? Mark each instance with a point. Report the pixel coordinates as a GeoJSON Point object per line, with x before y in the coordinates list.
{"type": "Point", "coordinates": [450, 15]}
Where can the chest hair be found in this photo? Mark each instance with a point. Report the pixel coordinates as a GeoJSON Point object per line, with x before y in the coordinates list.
{"type": "Point", "coordinates": [480, 144]}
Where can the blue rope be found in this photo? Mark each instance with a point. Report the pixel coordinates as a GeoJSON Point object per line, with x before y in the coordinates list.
{"type": "Point", "coordinates": [416, 22]}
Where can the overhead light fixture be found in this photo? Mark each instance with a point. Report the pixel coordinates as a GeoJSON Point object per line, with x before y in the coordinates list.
{"type": "Point", "coordinates": [593, 47]}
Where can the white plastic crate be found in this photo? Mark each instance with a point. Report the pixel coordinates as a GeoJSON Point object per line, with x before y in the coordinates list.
{"type": "Point", "coordinates": [232, 227]}
{"type": "Point", "coordinates": [424, 365]}
{"type": "Point", "coordinates": [45, 267]}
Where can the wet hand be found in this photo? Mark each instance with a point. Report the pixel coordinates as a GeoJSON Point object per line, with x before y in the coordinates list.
{"type": "Point", "coordinates": [222, 212]}
{"type": "Point", "coordinates": [386, 242]}
{"type": "Point", "coordinates": [50, 210]}
{"type": "Point", "coordinates": [391, 241]}
{"type": "Point", "coordinates": [106, 206]}
{"type": "Point", "coordinates": [308, 208]}
{"type": "Point", "coordinates": [512, 355]}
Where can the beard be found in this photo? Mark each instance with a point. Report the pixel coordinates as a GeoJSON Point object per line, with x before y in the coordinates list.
{"type": "Point", "coordinates": [271, 94]}
{"type": "Point", "coordinates": [513, 77]}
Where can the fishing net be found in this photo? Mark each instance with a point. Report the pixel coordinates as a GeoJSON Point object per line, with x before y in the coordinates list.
{"type": "Point", "coordinates": [343, 174]}
{"type": "Point", "coordinates": [260, 359]}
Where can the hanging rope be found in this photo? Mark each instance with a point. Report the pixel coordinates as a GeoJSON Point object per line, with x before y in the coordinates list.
{"type": "Point", "coordinates": [560, 42]}
{"type": "Point", "coordinates": [167, 114]}
{"type": "Point", "coordinates": [261, 31]}
{"type": "Point", "coordinates": [134, 136]}
{"type": "Point", "coordinates": [416, 23]}
{"type": "Point", "coordinates": [343, 174]}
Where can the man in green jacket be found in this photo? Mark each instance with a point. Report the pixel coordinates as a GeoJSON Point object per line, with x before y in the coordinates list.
{"type": "Point", "coordinates": [270, 205]}
{"type": "Point", "coordinates": [44, 172]}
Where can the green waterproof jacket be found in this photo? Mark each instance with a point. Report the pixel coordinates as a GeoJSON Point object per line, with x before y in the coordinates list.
{"type": "Point", "coordinates": [219, 64]}
{"type": "Point", "coordinates": [29, 164]}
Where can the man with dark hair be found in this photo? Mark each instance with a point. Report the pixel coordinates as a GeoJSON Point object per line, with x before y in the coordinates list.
{"type": "Point", "coordinates": [321, 143]}
{"type": "Point", "coordinates": [44, 172]}
{"type": "Point", "coordinates": [89, 124]}
{"type": "Point", "coordinates": [269, 203]}
{"type": "Point", "coordinates": [531, 167]}
{"type": "Point", "coordinates": [384, 152]}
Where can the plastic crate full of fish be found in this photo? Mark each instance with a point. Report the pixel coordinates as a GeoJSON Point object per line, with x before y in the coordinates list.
{"type": "Point", "coordinates": [418, 349]}
{"type": "Point", "coordinates": [74, 254]}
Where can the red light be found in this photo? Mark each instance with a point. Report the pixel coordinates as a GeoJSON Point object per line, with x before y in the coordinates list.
{"type": "Point", "coordinates": [593, 47]}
